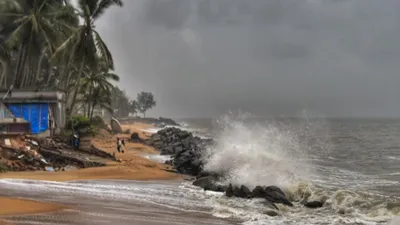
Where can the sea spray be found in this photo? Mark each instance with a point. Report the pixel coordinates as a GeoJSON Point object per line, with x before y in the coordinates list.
{"type": "Point", "coordinates": [395, 221]}
{"type": "Point", "coordinates": [253, 153]}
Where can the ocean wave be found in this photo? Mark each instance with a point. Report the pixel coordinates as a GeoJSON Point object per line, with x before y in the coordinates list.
{"type": "Point", "coordinates": [256, 154]}
{"type": "Point", "coordinates": [266, 154]}
{"type": "Point", "coordinates": [342, 206]}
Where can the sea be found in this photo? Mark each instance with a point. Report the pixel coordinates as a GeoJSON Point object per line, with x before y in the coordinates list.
{"type": "Point", "coordinates": [353, 165]}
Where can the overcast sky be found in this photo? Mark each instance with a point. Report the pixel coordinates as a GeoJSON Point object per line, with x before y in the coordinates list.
{"type": "Point", "coordinates": [202, 58]}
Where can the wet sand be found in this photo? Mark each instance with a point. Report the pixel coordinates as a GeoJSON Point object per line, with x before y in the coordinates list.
{"type": "Point", "coordinates": [13, 206]}
{"type": "Point", "coordinates": [88, 206]}
{"type": "Point", "coordinates": [89, 212]}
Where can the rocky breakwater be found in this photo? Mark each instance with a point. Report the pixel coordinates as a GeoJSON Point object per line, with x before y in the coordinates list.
{"type": "Point", "coordinates": [186, 153]}
{"type": "Point", "coordinates": [184, 148]}
{"type": "Point", "coordinates": [272, 195]}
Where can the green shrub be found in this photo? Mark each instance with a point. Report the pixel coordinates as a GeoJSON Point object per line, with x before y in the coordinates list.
{"type": "Point", "coordinates": [3, 168]}
{"type": "Point", "coordinates": [78, 121]}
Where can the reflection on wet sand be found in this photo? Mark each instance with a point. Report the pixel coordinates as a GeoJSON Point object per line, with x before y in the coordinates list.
{"type": "Point", "coordinates": [88, 210]}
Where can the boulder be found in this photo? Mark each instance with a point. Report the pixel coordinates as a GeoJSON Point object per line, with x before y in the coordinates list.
{"type": "Point", "coordinates": [204, 181]}
{"type": "Point", "coordinates": [258, 192]}
{"type": "Point", "coordinates": [115, 126]}
{"type": "Point", "coordinates": [183, 135]}
{"type": "Point", "coordinates": [156, 137]}
{"type": "Point", "coordinates": [314, 204]}
{"type": "Point", "coordinates": [271, 213]}
{"type": "Point", "coordinates": [169, 150]}
{"type": "Point", "coordinates": [158, 144]}
{"type": "Point", "coordinates": [229, 191]}
{"type": "Point", "coordinates": [178, 149]}
{"type": "Point", "coordinates": [271, 194]}
{"type": "Point", "coordinates": [276, 195]}
{"type": "Point", "coordinates": [135, 138]}
{"type": "Point", "coordinates": [185, 149]}
{"type": "Point", "coordinates": [242, 192]}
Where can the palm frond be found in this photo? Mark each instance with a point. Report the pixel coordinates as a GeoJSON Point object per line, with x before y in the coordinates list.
{"type": "Point", "coordinates": [103, 50]}
{"type": "Point", "coordinates": [69, 44]}
{"type": "Point", "coordinates": [14, 38]}
{"type": "Point", "coordinates": [111, 76]}
{"type": "Point", "coordinates": [88, 6]}
{"type": "Point", "coordinates": [103, 5]}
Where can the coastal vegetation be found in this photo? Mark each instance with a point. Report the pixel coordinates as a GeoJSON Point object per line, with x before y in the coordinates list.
{"type": "Point", "coordinates": [54, 45]}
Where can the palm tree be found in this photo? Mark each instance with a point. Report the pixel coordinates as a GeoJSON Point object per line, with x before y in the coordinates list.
{"type": "Point", "coordinates": [95, 85]}
{"type": "Point", "coordinates": [121, 103]}
{"type": "Point", "coordinates": [38, 25]}
{"type": "Point", "coordinates": [100, 98]}
{"type": "Point", "coordinates": [84, 46]}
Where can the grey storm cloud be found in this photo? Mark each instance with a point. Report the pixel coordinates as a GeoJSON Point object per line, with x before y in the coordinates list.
{"type": "Point", "coordinates": [270, 57]}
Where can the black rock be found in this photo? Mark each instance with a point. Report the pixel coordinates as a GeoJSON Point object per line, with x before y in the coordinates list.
{"type": "Point", "coordinates": [204, 181]}
{"type": "Point", "coordinates": [156, 137]}
{"type": "Point", "coordinates": [183, 146]}
{"type": "Point", "coordinates": [229, 191]}
{"type": "Point", "coordinates": [276, 195]}
{"type": "Point", "coordinates": [274, 189]}
{"type": "Point", "coordinates": [209, 183]}
{"type": "Point", "coordinates": [271, 213]}
{"type": "Point", "coordinates": [242, 192]}
{"type": "Point", "coordinates": [258, 192]}
{"type": "Point", "coordinates": [135, 138]}
{"type": "Point", "coordinates": [314, 204]}
{"type": "Point", "coordinates": [158, 144]}
{"type": "Point", "coordinates": [246, 191]}
{"type": "Point", "coordinates": [167, 151]}
{"type": "Point", "coordinates": [178, 150]}
{"type": "Point", "coordinates": [183, 134]}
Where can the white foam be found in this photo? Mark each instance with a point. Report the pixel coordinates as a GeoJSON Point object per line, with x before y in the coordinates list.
{"type": "Point", "coordinates": [157, 158]}
{"type": "Point", "coordinates": [395, 221]}
{"type": "Point", "coordinates": [252, 154]}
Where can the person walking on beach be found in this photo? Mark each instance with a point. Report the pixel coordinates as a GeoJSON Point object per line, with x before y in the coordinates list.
{"type": "Point", "coordinates": [119, 144]}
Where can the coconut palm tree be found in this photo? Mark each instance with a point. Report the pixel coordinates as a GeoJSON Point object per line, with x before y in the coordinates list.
{"type": "Point", "coordinates": [37, 26]}
{"type": "Point", "coordinates": [97, 84]}
{"type": "Point", "coordinates": [84, 46]}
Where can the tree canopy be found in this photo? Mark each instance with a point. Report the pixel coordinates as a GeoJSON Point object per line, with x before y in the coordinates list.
{"type": "Point", "coordinates": [145, 101]}
{"type": "Point", "coordinates": [52, 45]}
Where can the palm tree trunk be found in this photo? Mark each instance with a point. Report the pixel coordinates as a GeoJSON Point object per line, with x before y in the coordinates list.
{"type": "Point", "coordinates": [91, 113]}
{"type": "Point", "coordinates": [4, 70]}
{"type": "Point", "coordinates": [21, 55]}
{"type": "Point", "coordinates": [71, 108]}
{"type": "Point", "coordinates": [90, 100]}
{"type": "Point", "coordinates": [39, 67]}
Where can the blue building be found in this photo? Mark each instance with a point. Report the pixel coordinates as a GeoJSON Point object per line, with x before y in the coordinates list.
{"type": "Point", "coordinates": [32, 112]}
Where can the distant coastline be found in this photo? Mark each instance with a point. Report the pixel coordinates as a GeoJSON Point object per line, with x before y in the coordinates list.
{"type": "Point", "coordinates": [157, 122]}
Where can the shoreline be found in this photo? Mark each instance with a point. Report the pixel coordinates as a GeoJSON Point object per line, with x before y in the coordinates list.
{"type": "Point", "coordinates": [84, 208]}
{"type": "Point", "coordinates": [131, 166]}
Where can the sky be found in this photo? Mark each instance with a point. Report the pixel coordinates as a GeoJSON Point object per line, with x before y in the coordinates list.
{"type": "Point", "coordinates": [204, 58]}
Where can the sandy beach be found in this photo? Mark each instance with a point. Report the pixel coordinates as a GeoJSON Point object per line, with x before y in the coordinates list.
{"type": "Point", "coordinates": [132, 166]}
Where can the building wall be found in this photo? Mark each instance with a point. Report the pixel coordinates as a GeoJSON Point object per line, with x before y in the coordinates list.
{"type": "Point", "coordinates": [59, 114]}
{"type": "Point", "coordinates": [55, 99]}
{"type": "Point", "coordinates": [4, 112]}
